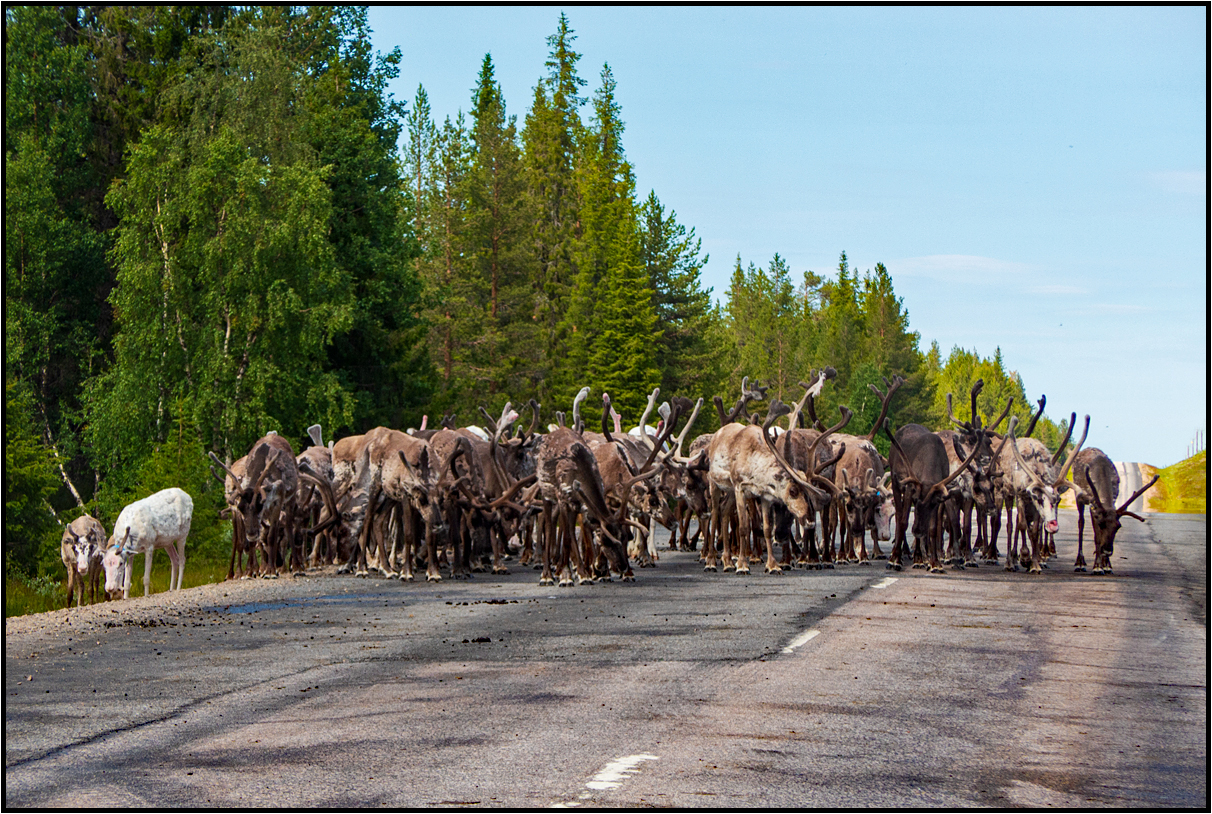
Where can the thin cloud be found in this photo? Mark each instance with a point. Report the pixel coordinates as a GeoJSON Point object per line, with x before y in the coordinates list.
{"type": "Point", "coordinates": [1058, 289]}
{"type": "Point", "coordinates": [966, 268]}
{"type": "Point", "coordinates": [1194, 182]}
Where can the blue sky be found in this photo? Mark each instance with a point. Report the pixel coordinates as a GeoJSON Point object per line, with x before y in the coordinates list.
{"type": "Point", "coordinates": [1034, 178]}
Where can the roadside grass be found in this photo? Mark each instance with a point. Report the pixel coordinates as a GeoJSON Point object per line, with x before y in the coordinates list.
{"type": "Point", "coordinates": [1183, 487]}
{"type": "Point", "coordinates": [46, 593]}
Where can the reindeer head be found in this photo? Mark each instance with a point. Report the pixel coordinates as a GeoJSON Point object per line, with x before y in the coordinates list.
{"type": "Point", "coordinates": [115, 571]}
{"type": "Point", "coordinates": [87, 545]}
{"type": "Point", "coordinates": [884, 511]}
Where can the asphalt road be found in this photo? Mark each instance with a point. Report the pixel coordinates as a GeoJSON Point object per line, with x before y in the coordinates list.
{"type": "Point", "coordinates": [854, 687]}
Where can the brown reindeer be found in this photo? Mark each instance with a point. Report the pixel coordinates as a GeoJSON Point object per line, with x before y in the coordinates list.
{"type": "Point", "coordinates": [82, 548]}
{"type": "Point", "coordinates": [264, 497]}
{"type": "Point", "coordinates": [921, 474]}
{"type": "Point", "coordinates": [744, 464]}
{"type": "Point", "coordinates": [1096, 484]}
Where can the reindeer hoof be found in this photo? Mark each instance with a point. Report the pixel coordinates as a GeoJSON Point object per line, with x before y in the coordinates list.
{"type": "Point", "coordinates": [938, 569]}
{"type": "Point", "coordinates": [544, 581]}
{"type": "Point", "coordinates": [710, 568]}
{"type": "Point", "coordinates": [775, 570]}
{"type": "Point", "coordinates": [895, 566]}
{"type": "Point", "coordinates": [864, 562]}
{"type": "Point", "coordinates": [628, 577]}
{"type": "Point", "coordinates": [744, 570]}
{"type": "Point", "coordinates": [1036, 570]}
{"type": "Point", "coordinates": [433, 578]}
{"type": "Point", "coordinates": [500, 569]}
{"type": "Point", "coordinates": [1098, 571]}
{"type": "Point", "coordinates": [406, 578]}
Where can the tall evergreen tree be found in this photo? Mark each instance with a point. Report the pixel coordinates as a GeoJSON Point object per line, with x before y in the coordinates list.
{"type": "Point", "coordinates": [497, 227]}
{"type": "Point", "coordinates": [689, 352]}
{"type": "Point", "coordinates": [551, 139]}
{"type": "Point", "coordinates": [607, 235]}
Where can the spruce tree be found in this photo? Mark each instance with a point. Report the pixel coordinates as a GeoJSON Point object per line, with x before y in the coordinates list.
{"type": "Point", "coordinates": [551, 142]}
{"type": "Point", "coordinates": [689, 352]}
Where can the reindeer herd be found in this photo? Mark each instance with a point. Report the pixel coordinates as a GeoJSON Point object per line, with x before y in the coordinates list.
{"type": "Point", "coordinates": [583, 505]}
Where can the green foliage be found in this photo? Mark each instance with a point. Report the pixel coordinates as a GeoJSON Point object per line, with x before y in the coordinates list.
{"type": "Point", "coordinates": [689, 350]}
{"type": "Point", "coordinates": [179, 461]}
{"type": "Point", "coordinates": [31, 534]}
{"type": "Point", "coordinates": [210, 232]}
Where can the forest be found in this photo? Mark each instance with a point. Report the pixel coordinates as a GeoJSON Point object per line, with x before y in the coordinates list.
{"type": "Point", "coordinates": [218, 222]}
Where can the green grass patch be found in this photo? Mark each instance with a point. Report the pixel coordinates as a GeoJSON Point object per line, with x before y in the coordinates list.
{"type": "Point", "coordinates": [24, 595]}
{"type": "Point", "coordinates": [1183, 487]}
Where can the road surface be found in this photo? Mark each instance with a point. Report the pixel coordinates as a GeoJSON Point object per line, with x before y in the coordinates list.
{"type": "Point", "coordinates": [855, 687]}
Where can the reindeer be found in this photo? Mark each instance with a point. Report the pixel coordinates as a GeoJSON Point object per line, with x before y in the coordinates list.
{"type": "Point", "coordinates": [1003, 495]}
{"type": "Point", "coordinates": [619, 460]}
{"type": "Point", "coordinates": [794, 446]}
{"type": "Point", "coordinates": [265, 499]}
{"type": "Point", "coordinates": [974, 485]}
{"type": "Point", "coordinates": [921, 473]}
{"type": "Point", "coordinates": [398, 473]}
{"type": "Point", "coordinates": [862, 488]}
{"type": "Point", "coordinates": [160, 520]}
{"type": "Point", "coordinates": [744, 464]}
{"type": "Point", "coordinates": [570, 484]}
{"type": "Point", "coordinates": [82, 549]}
{"type": "Point", "coordinates": [1038, 484]}
{"type": "Point", "coordinates": [317, 504]}
{"type": "Point", "coordinates": [1096, 484]}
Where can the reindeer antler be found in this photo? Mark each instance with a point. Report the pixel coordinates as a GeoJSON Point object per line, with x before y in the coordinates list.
{"type": "Point", "coordinates": [886, 399]}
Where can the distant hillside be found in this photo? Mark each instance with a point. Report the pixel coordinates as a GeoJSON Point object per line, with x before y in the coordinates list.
{"type": "Point", "coordinates": [1183, 486]}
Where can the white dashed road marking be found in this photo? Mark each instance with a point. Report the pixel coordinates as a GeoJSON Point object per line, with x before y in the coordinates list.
{"type": "Point", "coordinates": [803, 638]}
{"type": "Point", "coordinates": [616, 771]}
{"type": "Point", "coordinates": [884, 583]}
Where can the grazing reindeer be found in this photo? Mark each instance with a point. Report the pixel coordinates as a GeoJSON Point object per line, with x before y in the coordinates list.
{"type": "Point", "coordinates": [317, 503]}
{"type": "Point", "coordinates": [82, 550]}
{"type": "Point", "coordinates": [160, 520]}
{"type": "Point", "coordinates": [265, 497]}
{"type": "Point", "coordinates": [1096, 484]}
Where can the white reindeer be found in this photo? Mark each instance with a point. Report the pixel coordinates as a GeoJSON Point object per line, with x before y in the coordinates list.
{"type": "Point", "coordinates": [158, 521]}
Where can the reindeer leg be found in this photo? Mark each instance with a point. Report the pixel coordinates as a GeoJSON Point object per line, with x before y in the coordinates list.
{"type": "Point", "coordinates": [772, 565]}
{"type": "Point", "coordinates": [745, 529]}
{"type": "Point", "coordinates": [709, 538]}
{"type": "Point", "coordinates": [547, 543]}
{"type": "Point", "coordinates": [1080, 563]}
